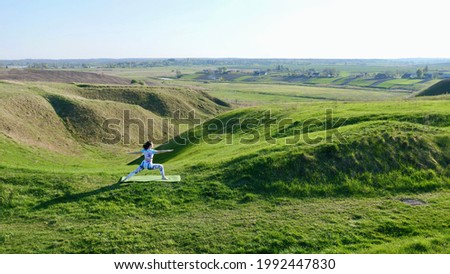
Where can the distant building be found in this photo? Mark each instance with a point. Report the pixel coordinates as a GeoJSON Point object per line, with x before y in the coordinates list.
{"type": "Point", "coordinates": [408, 76]}
{"type": "Point", "coordinates": [381, 76]}
{"type": "Point", "coordinates": [260, 72]}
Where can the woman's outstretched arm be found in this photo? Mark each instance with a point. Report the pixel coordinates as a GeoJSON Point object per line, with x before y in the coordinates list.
{"type": "Point", "coordinates": [164, 150]}
{"type": "Point", "coordinates": [135, 152]}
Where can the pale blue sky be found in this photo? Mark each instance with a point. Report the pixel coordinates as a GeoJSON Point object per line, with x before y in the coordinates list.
{"type": "Point", "coordinates": [230, 28]}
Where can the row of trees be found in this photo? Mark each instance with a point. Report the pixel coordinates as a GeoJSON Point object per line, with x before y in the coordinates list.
{"type": "Point", "coordinates": [327, 72]}
{"type": "Point", "coordinates": [311, 72]}
{"type": "Point", "coordinates": [421, 72]}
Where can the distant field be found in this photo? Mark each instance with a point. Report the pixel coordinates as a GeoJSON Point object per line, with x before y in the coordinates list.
{"type": "Point", "coordinates": [61, 76]}
{"type": "Point", "coordinates": [194, 75]}
{"type": "Point", "coordinates": [362, 82]}
{"type": "Point", "coordinates": [151, 74]}
{"type": "Point", "coordinates": [413, 84]}
{"type": "Point", "coordinates": [348, 80]}
{"type": "Point", "coordinates": [251, 94]}
{"type": "Point", "coordinates": [321, 81]}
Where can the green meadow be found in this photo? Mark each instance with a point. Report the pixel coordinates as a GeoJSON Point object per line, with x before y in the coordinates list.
{"type": "Point", "coordinates": [283, 169]}
{"type": "Point", "coordinates": [257, 94]}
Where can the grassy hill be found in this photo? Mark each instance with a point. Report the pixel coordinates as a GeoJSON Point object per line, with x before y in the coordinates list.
{"type": "Point", "coordinates": [245, 94]}
{"type": "Point", "coordinates": [307, 152]}
{"type": "Point", "coordinates": [164, 101]}
{"type": "Point", "coordinates": [66, 119]}
{"type": "Point", "coordinates": [292, 178]}
{"type": "Point", "coordinates": [440, 88]}
{"type": "Point", "coordinates": [60, 76]}
{"type": "Point", "coordinates": [345, 81]}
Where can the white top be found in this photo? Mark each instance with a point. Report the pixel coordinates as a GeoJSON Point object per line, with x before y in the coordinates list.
{"type": "Point", "coordinates": [148, 154]}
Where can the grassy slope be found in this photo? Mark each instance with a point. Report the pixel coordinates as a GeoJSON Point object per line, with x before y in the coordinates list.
{"type": "Point", "coordinates": [191, 73]}
{"type": "Point", "coordinates": [379, 138]}
{"type": "Point", "coordinates": [61, 117]}
{"type": "Point", "coordinates": [256, 94]}
{"type": "Point", "coordinates": [252, 198]}
{"type": "Point", "coordinates": [61, 76]}
{"type": "Point", "coordinates": [351, 82]}
{"type": "Point", "coordinates": [440, 88]}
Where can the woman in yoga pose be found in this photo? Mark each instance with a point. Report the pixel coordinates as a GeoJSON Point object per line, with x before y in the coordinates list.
{"type": "Point", "coordinates": [147, 163]}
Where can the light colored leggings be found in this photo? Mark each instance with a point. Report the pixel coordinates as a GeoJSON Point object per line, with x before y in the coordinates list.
{"type": "Point", "coordinates": [146, 165]}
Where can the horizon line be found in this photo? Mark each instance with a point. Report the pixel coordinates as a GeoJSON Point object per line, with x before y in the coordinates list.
{"type": "Point", "coordinates": [230, 58]}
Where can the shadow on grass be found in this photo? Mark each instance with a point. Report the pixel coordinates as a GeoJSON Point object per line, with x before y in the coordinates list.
{"type": "Point", "coordinates": [136, 161]}
{"type": "Point", "coordinates": [71, 198]}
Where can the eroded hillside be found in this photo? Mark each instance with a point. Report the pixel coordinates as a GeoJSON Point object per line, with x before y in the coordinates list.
{"type": "Point", "coordinates": [64, 117]}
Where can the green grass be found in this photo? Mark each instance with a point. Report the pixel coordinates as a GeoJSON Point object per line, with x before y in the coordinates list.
{"type": "Point", "coordinates": [255, 94]}
{"type": "Point", "coordinates": [341, 80]}
{"type": "Point", "coordinates": [242, 78]}
{"type": "Point", "coordinates": [411, 84]}
{"type": "Point", "coordinates": [439, 88]}
{"type": "Point", "coordinates": [406, 82]}
{"type": "Point", "coordinates": [64, 117]}
{"type": "Point", "coordinates": [376, 143]}
{"type": "Point", "coordinates": [330, 197]}
{"type": "Point", "coordinates": [277, 193]}
{"type": "Point", "coordinates": [189, 76]}
{"type": "Point", "coordinates": [86, 214]}
{"type": "Point", "coordinates": [361, 82]}
{"type": "Point", "coordinates": [346, 71]}
{"type": "Point", "coordinates": [322, 81]}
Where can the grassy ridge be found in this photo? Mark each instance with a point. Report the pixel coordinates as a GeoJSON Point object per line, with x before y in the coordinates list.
{"type": "Point", "coordinates": [62, 117]}
{"type": "Point", "coordinates": [344, 81]}
{"type": "Point", "coordinates": [374, 149]}
{"type": "Point", "coordinates": [381, 162]}
{"type": "Point", "coordinates": [163, 101]}
{"type": "Point", "coordinates": [440, 88]}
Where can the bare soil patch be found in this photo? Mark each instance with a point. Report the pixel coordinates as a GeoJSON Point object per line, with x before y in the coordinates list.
{"type": "Point", "coordinates": [413, 202]}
